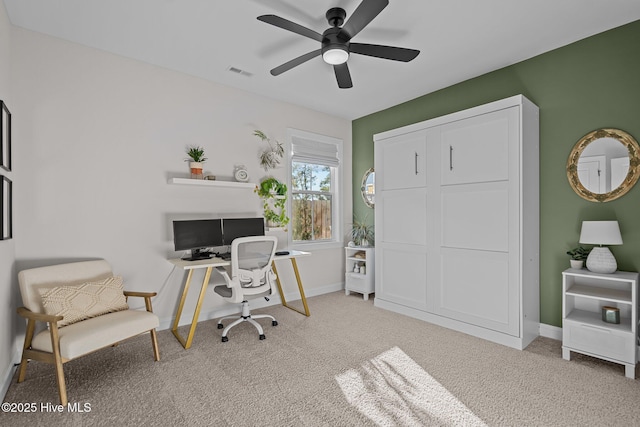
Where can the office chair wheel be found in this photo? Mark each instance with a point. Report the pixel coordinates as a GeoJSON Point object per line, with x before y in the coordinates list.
{"type": "Point", "coordinates": [262, 337]}
{"type": "Point", "coordinates": [220, 326]}
{"type": "Point", "coordinates": [274, 323]}
{"type": "Point", "coordinates": [225, 339]}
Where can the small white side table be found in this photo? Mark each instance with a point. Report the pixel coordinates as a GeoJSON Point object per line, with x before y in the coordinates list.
{"type": "Point", "coordinates": [360, 271]}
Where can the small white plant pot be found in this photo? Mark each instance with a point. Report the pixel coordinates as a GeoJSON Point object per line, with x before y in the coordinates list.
{"type": "Point", "coordinates": [196, 170]}
{"type": "Point", "coordinates": [576, 263]}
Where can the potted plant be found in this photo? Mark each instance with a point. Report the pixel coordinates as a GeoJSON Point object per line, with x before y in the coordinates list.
{"type": "Point", "coordinates": [578, 256]}
{"type": "Point", "coordinates": [270, 157]}
{"type": "Point", "coordinates": [196, 159]}
{"type": "Point", "coordinates": [362, 234]}
{"type": "Point", "coordinates": [274, 201]}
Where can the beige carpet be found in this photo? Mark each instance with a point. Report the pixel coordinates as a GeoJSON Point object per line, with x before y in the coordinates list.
{"type": "Point", "coordinates": [349, 364]}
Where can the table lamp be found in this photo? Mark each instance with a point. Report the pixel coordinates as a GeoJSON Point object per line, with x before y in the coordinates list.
{"type": "Point", "coordinates": [600, 259]}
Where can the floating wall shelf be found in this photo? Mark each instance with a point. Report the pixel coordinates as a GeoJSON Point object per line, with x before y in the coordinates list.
{"type": "Point", "coordinates": [211, 183]}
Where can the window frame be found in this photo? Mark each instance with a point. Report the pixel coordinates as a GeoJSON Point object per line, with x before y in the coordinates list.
{"type": "Point", "coordinates": [337, 225]}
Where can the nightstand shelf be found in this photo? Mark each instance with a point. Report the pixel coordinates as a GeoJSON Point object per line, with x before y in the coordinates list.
{"type": "Point", "coordinates": [583, 330]}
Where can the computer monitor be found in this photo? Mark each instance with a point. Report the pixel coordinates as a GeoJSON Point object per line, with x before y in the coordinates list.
{"type": "Point", "coordinates": [197, 235]}
{"type": "Point", "coordinates": [233, 228]}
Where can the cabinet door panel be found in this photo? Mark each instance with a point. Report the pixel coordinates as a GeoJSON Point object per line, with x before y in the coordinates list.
{"type": "Point", "coordinates": [476, 216]}
{"type": "Point", "coordinates": [402, 217]}
{"type": "Point", "coordinates": [475, 287]}
{"type": "Point", "coordinates": [477, 149]}
{"type": "Point", "coordinates": [402, 277]}
{"type": "Point", "coordinates": [402, 161]}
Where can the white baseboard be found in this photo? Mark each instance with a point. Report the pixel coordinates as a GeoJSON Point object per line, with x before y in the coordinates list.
{"type": "Point", "coordinates": [231, 309]}
{"type": "Point", "coordinates": [550, 331]}
{"type": "Point", "coordinates": [7, 376]}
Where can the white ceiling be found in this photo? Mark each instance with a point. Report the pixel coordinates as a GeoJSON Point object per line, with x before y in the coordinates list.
{"type": "Point", "coordinates": [458, 40]}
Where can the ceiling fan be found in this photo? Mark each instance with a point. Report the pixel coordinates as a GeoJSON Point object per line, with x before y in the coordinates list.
{"type": "Point", "coordinates": [336, 41]}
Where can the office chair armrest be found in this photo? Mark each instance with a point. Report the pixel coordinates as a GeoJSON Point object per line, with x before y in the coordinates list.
{"type": "Point", "coordinates": [40, 317]}
{"type": "Point", "coordinates": [224, 273]}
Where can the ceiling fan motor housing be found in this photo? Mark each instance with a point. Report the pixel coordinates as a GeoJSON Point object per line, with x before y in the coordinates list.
{"type": "Point", "coordinates": [334, 38]}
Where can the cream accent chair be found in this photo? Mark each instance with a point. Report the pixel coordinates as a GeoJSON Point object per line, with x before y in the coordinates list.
{"type": "Point", "coordinates": [251, 277]}
{"type": "Point", "coordinates": [58, 345]}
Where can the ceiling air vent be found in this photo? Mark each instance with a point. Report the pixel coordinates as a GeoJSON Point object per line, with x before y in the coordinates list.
{"type": "Point", "coordinates": [239, 71]}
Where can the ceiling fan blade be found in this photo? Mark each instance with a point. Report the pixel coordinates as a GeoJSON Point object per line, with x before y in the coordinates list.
{"type": "Point", "coordinates": [295, 62]}
{"type": "Point", "coordinates": [364, 13]}
{"type": "Point", "coordinates": [386, 52]}
{"type": "Point", "coordinates": [343, 76]}
{"type": "Point", "coordinates": [290, 26]}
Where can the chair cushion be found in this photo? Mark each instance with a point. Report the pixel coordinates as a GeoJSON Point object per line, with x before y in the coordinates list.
{"type": "Point", "coordinates": [226, 292]}
{"type": "Point", "coordinates": [84, 301]}
{"type": "Point", "coordinates": [92, 334]}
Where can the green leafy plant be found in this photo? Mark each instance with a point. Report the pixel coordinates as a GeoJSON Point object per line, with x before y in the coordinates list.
{"type": "Point", "coordinates": [362, 233]}
{"type": "Point", "coordinates": [579, 253]}
{"type": "Point", "coordinates": [270, 157]}
{"type": "Point", "coordinates": [274, 201]}
{"type": "Point", "coordinates": [196, 154]}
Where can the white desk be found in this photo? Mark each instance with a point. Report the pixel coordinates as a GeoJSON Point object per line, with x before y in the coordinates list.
{"type": "Point", "coordinates": [210, 264]}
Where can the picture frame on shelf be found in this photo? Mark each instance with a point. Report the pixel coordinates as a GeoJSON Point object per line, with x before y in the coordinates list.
{"type": "Point", "coordinates": [5, 137]}
{"type": "Point", "coordinates": [6, 220]}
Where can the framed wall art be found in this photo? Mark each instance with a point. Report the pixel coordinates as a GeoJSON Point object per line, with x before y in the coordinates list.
{"type": "Point", "coordinates": [5, 137]}
{"type": "Point", "coordinates": [6, 208]}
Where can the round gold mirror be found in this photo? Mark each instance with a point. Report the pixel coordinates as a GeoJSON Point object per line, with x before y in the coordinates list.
{"type": "Point", "coordinates": [604, 165]}
{"type": "Point", "coordinates": [368, 188]}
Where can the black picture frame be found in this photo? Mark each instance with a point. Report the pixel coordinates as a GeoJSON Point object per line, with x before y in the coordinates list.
{"type": "Point", "coordinates": [6, 214]}
{"type": "Point", "coordinates": [5, 137]}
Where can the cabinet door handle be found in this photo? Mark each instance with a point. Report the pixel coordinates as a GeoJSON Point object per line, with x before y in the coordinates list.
{"type": "Point", "coordinates": [416, 162]}
{"type": "Point", "coordinates": [450, 157]}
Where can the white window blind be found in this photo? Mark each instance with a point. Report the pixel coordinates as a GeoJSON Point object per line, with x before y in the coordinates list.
{"type": "Point", "coordinates": [318, 153]}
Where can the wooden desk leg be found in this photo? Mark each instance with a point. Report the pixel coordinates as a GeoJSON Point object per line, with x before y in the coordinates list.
{"type": "Point", "coordinates": [302, 296]}
{"type": "Point", "coordinates": [205, 283]}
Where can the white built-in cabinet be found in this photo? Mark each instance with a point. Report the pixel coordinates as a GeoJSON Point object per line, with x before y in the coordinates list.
{"type": "Point", "coordinates": [457, 221]}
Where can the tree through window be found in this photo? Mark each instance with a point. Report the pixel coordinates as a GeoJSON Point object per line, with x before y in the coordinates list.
{"type": "Point", "coordinates": [315, 188]}
{"type": "Point", "coordinates": [311, 205]}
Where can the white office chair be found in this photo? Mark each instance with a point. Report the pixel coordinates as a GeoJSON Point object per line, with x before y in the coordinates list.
{"type": "Point", "coordinates": [251, 277]}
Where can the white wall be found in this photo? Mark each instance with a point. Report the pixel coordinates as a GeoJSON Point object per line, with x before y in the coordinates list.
{"type": "Point", "coordinates": [8, 301]}
{"type": "Point", "coordinates": [98, 135]}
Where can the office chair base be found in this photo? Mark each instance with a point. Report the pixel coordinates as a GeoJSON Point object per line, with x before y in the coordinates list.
{"type": "Point", "coordinates": [245, 317]}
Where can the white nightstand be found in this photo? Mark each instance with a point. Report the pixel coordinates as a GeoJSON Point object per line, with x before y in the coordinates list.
{"type": "Point", "coordinates": [360, 279]}
{"type": "Point", "coordinates": [583, 295]}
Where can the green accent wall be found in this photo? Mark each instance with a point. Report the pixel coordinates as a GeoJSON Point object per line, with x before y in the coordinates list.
{"type": "Point", "coordinates": [590, 84]}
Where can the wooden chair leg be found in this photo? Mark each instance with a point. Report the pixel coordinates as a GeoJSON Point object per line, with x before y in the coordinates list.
{"type": "Point", "coordinates": [62, 388]}
{"type": "Point", "coordinates": [22, 372]}
{"type": "Point", "coordinates": [154, 338]}
{"type": "Point", "coordinates": [154, 343]}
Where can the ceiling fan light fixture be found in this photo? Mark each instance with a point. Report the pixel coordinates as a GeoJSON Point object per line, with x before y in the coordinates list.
{"type": "Point", "coordinates": [335, 56]}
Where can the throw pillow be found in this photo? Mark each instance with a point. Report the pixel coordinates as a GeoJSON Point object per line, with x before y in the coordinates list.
{"type": "Point", "coordinates": [84, 301]}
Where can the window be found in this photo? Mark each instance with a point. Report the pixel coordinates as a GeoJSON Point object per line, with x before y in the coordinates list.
{"type": "Point", "coordinates": [315, 195]}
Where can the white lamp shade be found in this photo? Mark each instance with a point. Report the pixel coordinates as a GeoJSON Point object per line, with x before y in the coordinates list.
{"type": "Point", "coordinates": [600, 233]}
